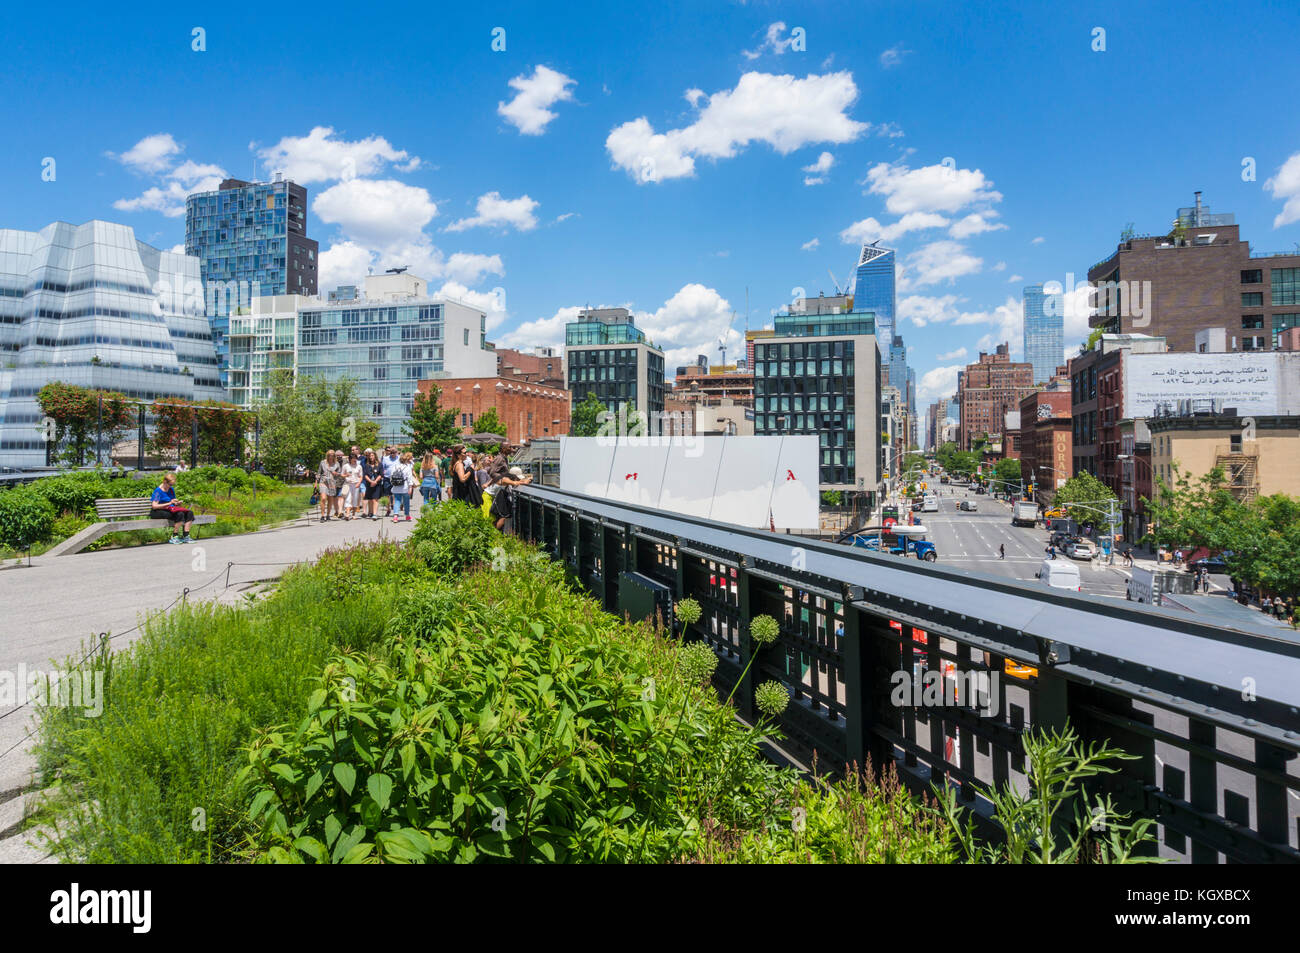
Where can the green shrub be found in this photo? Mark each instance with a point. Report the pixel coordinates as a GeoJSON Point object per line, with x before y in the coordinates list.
{"type": "Point", "coordinates": [26, 517]}
{"type": "Point", "coordinates": [451, 537]}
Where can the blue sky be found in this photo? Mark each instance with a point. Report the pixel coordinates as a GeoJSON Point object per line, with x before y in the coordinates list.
{"type": "Point", "coordinates": [655, 156]}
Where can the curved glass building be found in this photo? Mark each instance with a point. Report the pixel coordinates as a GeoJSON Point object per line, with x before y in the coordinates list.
{"type": "Point", "coordinates": [91, 305]}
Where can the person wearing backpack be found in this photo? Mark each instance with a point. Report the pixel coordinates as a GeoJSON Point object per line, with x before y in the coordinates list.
{"type": "Point", "coordinates": [401, 479]}
{"type": "Point", "coordinates": [430, 483]}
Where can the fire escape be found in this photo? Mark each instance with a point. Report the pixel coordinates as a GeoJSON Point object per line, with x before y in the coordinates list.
{"type": "Point", "coordinates": [1240, 465]}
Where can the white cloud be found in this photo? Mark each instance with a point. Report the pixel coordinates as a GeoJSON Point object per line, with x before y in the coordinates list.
{"type": "Point", "coordinates": [1008, 321]}
{"type": "Point", "coordinates": [1078, 306]}
{"type": "Point", "coordinates": [1286, 185]}
{"type": "Point", "coordinates": [540, 332]}
{"type": "Point", "coordinates": [1038, 241]}
{"type": "Point", "coordinates": [940, 382]}
{"type": "Point", "coordinates": [320, 156]}
{"type": "Point", "coordinates": [870, 230]}
{"type": "Point", "coordinates": [343, 263]}
{"type": "Point", "coordinates": [889, 130]}
{"type": "Point", "coordinates": [151, 155]}
{"type": "Point", "coordinates": [530, 110]}
{"type": "Point", "coordinates": [931, 188]}
{"type": "Point", "coordinates": [493, 211]}
{"type": "Point", "coordinates": [1014, 278]}
{"type": "Point", "coordinates": [491, 303]}
{"type": "Point", "coordinates": [939, 261]}
{"type": "Point", "coordinates": [1000, 266]}
{"type": "Point", "coordinates": [782, 111]}
{"type": "Point", "coordinates": [921, 310]}
{"type": "Point", "coordinates": [956, 355]}
{"type": "Point", "coordinates": [893, 56]}
{"type": "Point", "coordinates": [819, 169]}
{"type": "Point", "coordinates": [348, 262]}
{"type": "Point", "coordinates": [566, 215]}
{"type": "Point", "coordinates": [376, 211]}
{"type": "Point", "coordinates": [811, 244]}
{"type": "Point", "coordinates": [774, 40]}
{"type": "Point", "coordinates": [975, 224]}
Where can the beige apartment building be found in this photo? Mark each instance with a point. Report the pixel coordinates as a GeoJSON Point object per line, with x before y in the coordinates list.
{"type": "Point", "coordinates": [1259, 455]}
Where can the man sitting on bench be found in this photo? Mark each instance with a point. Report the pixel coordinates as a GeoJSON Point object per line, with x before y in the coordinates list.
{"type": "Point", "coordinates": [163, 506]}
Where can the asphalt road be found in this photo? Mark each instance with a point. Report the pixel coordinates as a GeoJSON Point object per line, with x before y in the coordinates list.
{"type": "Point", "coordinates": [970, 541]}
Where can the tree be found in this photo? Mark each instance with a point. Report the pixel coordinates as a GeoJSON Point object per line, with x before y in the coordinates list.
{"type": "Point", "coordinates": [585, 420]}
{"type": "Point", "coordinates": [1087, 499]}
{"type": "Point", "coordinates": [430, 427]}
{"type": "Point", "coordinates": [173, 428]}
{"type": "Point", "coordinates": [76, 415]}
{"type": "Point", "coordinates": [489, 422]}
{"type": "Point", "coordinates": [304, 419]}
{"type": "Point", "coordinates": [1007, 471]}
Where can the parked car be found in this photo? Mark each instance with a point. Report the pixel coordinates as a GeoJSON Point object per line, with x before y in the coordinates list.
{"type": "Point", "coordinates": [1080, 548]}
{"type": "Point", "coordinates": [969, 505]}
{"type": "Point", "coordinates": [1058, 574]}
{"type": "Point", "coordinates": [1213, 564]}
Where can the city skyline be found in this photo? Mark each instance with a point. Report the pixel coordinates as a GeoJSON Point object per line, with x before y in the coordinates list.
{"type": "Point", "coordinates": [576, 181]}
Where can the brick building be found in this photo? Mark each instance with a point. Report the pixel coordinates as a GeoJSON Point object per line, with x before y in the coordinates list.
{"type": "Point", "coordinates": [528, 410]}
{"type": "Point", "coordinates": [987, 390]}
{"type": "Point", "coordinates": [1135, 477]}
{"type": "Point", "coordinates": [1046, 439]}
{"type": "Point", "coordinates": [1200, 275]}
{"type": "Point", "coordinates": [543, 366]}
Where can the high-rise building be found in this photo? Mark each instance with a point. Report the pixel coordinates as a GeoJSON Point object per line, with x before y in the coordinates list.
{"type": "Point", "coordinates": [1044, 331]}
{"type": "Point", "coordinates": [388, 339]}
{"type": "Point", "coordinates": [91, 305]}
{"type": "Point", "coordinates": [820, 374]}
{"type": "Point", "coordinates": [874, 291]}
{"type": "Point", "coordinates": [607, 355]}
{"type": "Point", "coordinates": [990, 387]}
{"type": "Point", "coordinates": [251, 241]}
{"type": "Point", "coordinates": [1199, 275]}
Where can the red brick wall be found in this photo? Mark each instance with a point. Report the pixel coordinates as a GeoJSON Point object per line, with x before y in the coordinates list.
{"type": "Point", "coordinates": [513, 401]}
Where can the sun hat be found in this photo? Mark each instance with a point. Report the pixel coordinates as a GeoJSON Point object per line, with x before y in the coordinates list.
{"type": "Point", "coordinates": [517, 472]}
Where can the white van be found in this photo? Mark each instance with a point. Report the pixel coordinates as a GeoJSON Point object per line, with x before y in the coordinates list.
{"type": "Point", "coordinates": [930, 504]}
{"type": "Point", "coordinates": [1060, 574]}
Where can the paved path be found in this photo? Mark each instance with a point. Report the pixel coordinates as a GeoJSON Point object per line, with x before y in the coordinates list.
{"type": "Point", "coordinates": [60, 603]}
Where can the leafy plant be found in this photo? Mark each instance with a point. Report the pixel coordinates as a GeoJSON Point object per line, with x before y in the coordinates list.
{"type": "Point", "coordinates": [26, 517]}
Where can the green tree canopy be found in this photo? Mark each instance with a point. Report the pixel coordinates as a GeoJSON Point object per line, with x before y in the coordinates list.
{"type": "Point", "coordinates": [489, 422]}
{"type": "Point", "coordinates": [1086, 499]}
{"type": "Point", "coordinates": [304, 419]}
{"type": "Point", "coordinates": [1007, 471]}
{"type": "Point", "coordinates": [585, 420]}
{"type": "Point", "coordinates": [430, 427]}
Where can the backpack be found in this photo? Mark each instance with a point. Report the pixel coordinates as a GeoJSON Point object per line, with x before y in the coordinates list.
{"type": "Point", "coordinates": [397, 476]}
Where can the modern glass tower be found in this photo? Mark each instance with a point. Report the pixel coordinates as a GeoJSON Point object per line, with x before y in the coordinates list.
{"type": "Point", "coordinates": [874, 291]}
{"type": "Point", "coordinates": [1044, 331]}
{"type": "Point", "coordinates": [251, 240]}
{"type": "Point", "coordinates": [607, 355]}
{"type": "Point", "coordinates": [90, 305]}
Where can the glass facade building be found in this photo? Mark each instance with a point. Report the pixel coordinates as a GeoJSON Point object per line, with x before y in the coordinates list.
{"type": "Point", "coordinates": [91, 305]}
{"type": "Point", "coordinates": [874, 290]}
{"type": "Point", "coordinates": [1044, 336]}
{"type": "Point", "coordinates": [607, 355]}
{"type": "Point", "coordinates": [251, 240]}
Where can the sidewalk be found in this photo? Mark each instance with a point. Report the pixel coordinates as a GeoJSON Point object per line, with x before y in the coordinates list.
{"type": "Point", "coordinates": [62, 603]}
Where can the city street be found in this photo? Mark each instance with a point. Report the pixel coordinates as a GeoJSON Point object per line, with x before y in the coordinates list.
{"type": "Point", "coordinates": [970, 541]}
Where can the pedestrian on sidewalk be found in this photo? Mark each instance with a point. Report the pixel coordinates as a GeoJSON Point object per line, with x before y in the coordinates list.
{"type": "Point", "coordinates": [1266, 605]}
{"type": "Point", "coordinates": [1002, 551]}
{"type": "Point", "coordinates": [372, 479]}
{"type": "Point", "coordinates": [389, 460]}
{"type": "Point", "coordinates": [352, 487]}
{"type": "Point", "coordinates": [402, 480]}
{"type": "Point", "coordinates": [327, 482]}
{"type": "Point", "coordinates": [430, 479]}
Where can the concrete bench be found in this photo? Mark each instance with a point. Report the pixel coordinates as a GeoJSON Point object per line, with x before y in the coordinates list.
{"type": "Point", "coordinates": [117, 516]}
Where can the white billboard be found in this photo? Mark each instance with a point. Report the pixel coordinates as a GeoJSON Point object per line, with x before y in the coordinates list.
{"type": "Point", "coordinates": [1245, 380]}
{"type": "Point", "coordinates": [749, 481]}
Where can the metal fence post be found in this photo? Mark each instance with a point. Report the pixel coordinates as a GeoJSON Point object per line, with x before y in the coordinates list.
{"type": "Point", "coordinates": [139, 444]}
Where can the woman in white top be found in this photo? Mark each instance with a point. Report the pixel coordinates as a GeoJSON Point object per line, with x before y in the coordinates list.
{"type": "Point", "coordinates": [352, 486]}
{"type": "Point", "coordinates": [402, 477]}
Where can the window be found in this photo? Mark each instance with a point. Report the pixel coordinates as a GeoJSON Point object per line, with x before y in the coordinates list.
{"type": "Point", "coordinates": [1285, 283]}
{"type": "Point", "coordinates": [1252, 321]}
{"type": "Point", "coordinates": [1254, 276]}
{"type": "Point", "coordinates": [467, 337]}
{"type": "Point", "coordinates": [1252, 299]}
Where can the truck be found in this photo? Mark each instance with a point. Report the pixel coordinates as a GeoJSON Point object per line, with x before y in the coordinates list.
{"type": "Point", "coordinates": [1024, 513]}
{"type": "Point", "coordinates": [897, 540]}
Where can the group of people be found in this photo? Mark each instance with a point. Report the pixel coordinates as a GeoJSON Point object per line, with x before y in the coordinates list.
{"type": "Point", "coordinates": [354, 485]}
{"type": "Point", "coordinates": [1284, 610]}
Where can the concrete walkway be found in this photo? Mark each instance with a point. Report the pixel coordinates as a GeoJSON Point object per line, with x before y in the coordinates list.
{"type": "Point", "coordinates": [61, 603]}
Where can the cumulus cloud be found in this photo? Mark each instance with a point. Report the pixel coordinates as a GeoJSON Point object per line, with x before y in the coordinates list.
{"type": "Point", "coordinates": [818, 169]}
{"type": "Point", "coordinates": [940, 382]}
{"type": "Point", "coordinates": [939, 261]}
{"type": "Point", "coordinates": [1038, 241]}
{"type": "Point", "coordinates": [811, 244]}
{"type": "Point", "coordinates": [540, 332]}
{"type": "Point", "coordinates": [491, 303]}
{"type": "Point", "coordinates": [1077, 306]}
{"type": "Point", "coordinates": [782, 111]}
{"type": "Point", "coordinates": [957, 355]}
{"type": "Point", "coordinates": [494, 211]}
{"type": "Point", "coordinates": [921, 310]}
{"type": "Point", "coordinates": [975, 224]}
{"type": "Point", "coordinates": [154, 156]}
{"type": "Point", "coordinates": [376, 211]}
{"type": "Point", "coordinates": [320, 156]}
{"type": "Point", "coordinates": [1286, 186]}
{"type": "Point", "coordinates": [870, 230]}
{"type": "Point", "coordinates": [150, 155]}
{"type": "Point", "coordinates": [348, 262]}
{"type": "Point", "coordinates": [931, 188]}
{"type": "Point", "coordinates": [530, 111]}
